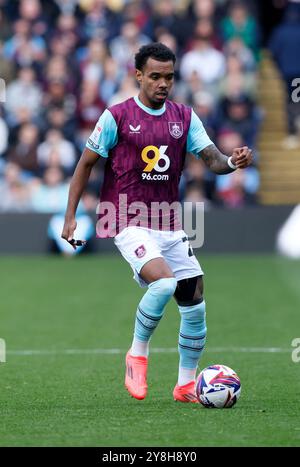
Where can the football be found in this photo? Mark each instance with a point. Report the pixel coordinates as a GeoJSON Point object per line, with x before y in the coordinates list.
{"type": "Point", "coordinates": [218, 386]}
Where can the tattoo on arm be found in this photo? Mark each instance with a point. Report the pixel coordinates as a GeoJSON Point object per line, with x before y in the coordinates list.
{"type": "Point", "coordinates": [215, 160]}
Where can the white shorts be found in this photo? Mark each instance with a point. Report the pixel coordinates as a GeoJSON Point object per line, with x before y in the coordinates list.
{"type": "Point", "coordinates": [139, 245]}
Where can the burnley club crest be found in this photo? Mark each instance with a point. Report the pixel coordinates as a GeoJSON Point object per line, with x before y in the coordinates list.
{"type": "Point", "coordinates": [176, 129]}
{"type": "Point", "coordinates": [140, 251]}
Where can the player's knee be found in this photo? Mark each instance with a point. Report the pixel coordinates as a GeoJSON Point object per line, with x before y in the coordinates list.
{"type": "Point", "coordinates": [165, 286]}
{"type": "Point", "coordinates": [189, 291]}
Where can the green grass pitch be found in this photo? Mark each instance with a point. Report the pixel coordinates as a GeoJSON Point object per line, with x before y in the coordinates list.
{"type": "Point", "coordinates": [58, 398]}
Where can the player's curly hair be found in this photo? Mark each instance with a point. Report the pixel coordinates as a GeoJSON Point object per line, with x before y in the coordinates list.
{"type": "Point", "coordinates": [156, 50]}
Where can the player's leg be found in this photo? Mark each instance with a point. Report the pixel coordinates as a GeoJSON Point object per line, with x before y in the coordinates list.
{"type": "Point", "coordinates": [161, 286]}
{"type": "Point", "coordinates": [189, 296]}
{"type": "Point", "coordinates": [143, 254]}
{"type": "Point", "coordinates": [192, 335]}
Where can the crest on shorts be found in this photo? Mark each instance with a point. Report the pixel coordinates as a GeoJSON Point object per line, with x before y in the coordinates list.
{"type": "Point", "coordinates": [140, 251]}
{"type": "Point", "coordinates": [176, 129]}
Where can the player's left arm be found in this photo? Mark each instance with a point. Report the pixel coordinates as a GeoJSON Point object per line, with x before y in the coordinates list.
{"type": "Point", "coordinates": [199, 144]}
{"type": "Point", "coordinates": [218, 162]}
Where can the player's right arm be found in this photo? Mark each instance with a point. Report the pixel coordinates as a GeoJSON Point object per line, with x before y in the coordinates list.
{"type": "Point", "coordinates": [77, 186]}
{"type": "Point", "coordinates": [103, 138]}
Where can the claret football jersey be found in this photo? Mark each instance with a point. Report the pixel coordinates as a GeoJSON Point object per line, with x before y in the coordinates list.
{"type": "Point", "coordinates": [145, 151]}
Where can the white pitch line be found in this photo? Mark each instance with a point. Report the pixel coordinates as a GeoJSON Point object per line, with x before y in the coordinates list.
{"type": "Point", "coordinates": [153, 350]}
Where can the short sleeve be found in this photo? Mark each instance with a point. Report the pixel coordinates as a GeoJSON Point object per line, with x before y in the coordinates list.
{"type": "Point", "coordinates": [197, 138]}
{"type": "Point", "coordinates": [104, 136]}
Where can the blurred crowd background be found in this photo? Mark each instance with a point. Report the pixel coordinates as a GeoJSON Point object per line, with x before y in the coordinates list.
{"type": "Point", "coordinates": [65, 61]}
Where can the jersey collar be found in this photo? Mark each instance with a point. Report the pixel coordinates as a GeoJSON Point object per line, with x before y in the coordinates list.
{"type": "Point", "coordinates": [148, 110]}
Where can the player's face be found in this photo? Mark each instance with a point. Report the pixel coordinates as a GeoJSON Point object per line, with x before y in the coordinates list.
{"type": "Point", "coordinates": [156, 80]}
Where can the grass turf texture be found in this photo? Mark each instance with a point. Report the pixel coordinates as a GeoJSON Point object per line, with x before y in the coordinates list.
{"type": "Point", "coordinates": [89, 302]}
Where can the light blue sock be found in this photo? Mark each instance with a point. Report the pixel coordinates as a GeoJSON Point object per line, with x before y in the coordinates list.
{"type": "Point", "coordinates": [192, 335]}
{"type": "Point", "coordinates": [151, 307]}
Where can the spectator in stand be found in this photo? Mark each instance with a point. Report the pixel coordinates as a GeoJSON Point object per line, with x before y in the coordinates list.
{"type": "Point", "coordinates": [204, 27]}
{"type": "Point", "coordinates": [135, 10]}
{"type": "Point", "coordinates": [62, 42]}
{"type": "Point", "coordinates": [55, 117]}
{"type": "Point", "coordinates": [5, 26]}
{"type": "Point", "coordinates": [193, 171]}
{"type": "Point", "coordinates": [245, 56]}
{"type": "Point", "coordinates": [124, 46]}
{"type": "Point", "coordinates": [57, 95]}
{"type": "Point", "coordinates": [99, 21]}
{"type": "Point", "coordinates": [208, 10]}
{"type": "Point", "coordinates": [240, 189]}
{"type": "Point", "coordinates": [239, 113]}
{"type": "Point", "coordinates": [67, 30]}
{"type": "Point", "coordinates": [51, 194]}
{"type": "Point", "coordinates": [31, 11]}
{"type": "Point", "coordinates": [127, 89]}
{"type": "Point", "coordinates": [204, 106]}
{"type": "Point", "coordinates": [14, 192]}
{"type": "Point", "coordinates": [284, 46]}
{"type": "Point", "coordinates": [65, 36]}
{"type": "Point", "coordinates": [169, 40]}
{"type": "Point", "coordinates": [112, 78]}
{"type": "Point", "coordinates": [231, 192]}
{"type": "Point", "coordinates": [55, 151]}
{"type": "Point", "coordinates": [24, 93]}
{"type": "Point", "coordinates": [7, 67]}
{"type": "Point", "coordinates": [204, 9]}
{"type": "Point", "coordinates": [90, 106]}
{"type": "Point", "coordinates": [237, 81]}
{"type": "Point", "coordinates": [207, 62]}
{"type": "Point", "coordinates": [194, 193]}
{"type": "Point", "coordinates": [24, 152]}
{"type": "Point", "coordinates": [25, 48]}
{"type": "Point", "coordinates": [164, 18]}
{"type": "Point", "coordinates": [51, 197]}
{"type": "Point", "coordinates": [189, 88]}
{"type": "Point", "coordinates": [92, 59]}
{"type": "Point", "coordinates": [58, 70]}
{"type": "Point", "coordinates": [240, 23]}
{"type": "Point", "coordinates": [67, 6]}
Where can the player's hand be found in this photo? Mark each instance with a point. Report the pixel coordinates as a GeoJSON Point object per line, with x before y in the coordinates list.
{"type": "Point", "coordinates": [68, 231]}
{"type": "Point", "coordinates": [242, 157]}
